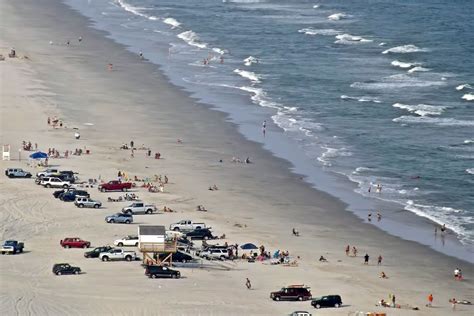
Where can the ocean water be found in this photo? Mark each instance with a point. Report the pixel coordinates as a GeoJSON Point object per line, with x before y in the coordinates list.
{"type": "Point", "coordinates": [380, 92]}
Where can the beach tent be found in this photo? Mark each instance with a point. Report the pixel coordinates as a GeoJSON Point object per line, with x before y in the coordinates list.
{"type": "Point", "coordinates": [39, 155]}
{"type": "Point", "coordinates": [248, 246]}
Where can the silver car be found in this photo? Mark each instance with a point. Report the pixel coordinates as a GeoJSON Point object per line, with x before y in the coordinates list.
{"type": "Point", "coordinates": [82, 201]}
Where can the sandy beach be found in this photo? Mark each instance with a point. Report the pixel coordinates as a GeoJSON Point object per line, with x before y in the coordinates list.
{"type": "Point", "coordinates": [258, 202]}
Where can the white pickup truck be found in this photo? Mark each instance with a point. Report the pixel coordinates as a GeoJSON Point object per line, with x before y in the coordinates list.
{"type": "Point", "coordinates": [139, 208]}
{"type": "Point", "coordinates": [186, 225]}
{"type": "Point", "coordinates": [117, 254]}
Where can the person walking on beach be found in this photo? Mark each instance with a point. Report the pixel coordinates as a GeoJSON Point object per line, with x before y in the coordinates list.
{"type": "Point", "coordinates": [366, 259]}
{"type": "Point", "coordinates": [430, 300]}
{"type": "Point", "coordinates": [248, 284]}
{"type": "Point", "coordinates": [354, 251]}
{"type": "Point", "coordinates": [379, 260]}
{"type": "Point", "coordinates": [393, 300]}
{"type": "Point", "coordinates": [348, 249]}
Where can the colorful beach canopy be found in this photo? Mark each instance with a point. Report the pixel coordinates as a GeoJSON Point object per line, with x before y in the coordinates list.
{"type": "Point", "coordinates": [39, 155]}
{"type": "Point", "coordinates": [248, 246]}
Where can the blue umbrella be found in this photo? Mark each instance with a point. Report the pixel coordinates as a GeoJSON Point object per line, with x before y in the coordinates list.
{"type": "Point", "coordinates": [248, 246]}
{"type": "Point", "coordinates": [39, 155]}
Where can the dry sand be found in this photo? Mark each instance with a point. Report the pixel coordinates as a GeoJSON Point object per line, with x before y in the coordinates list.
{"type": "Point", "coordinates": [135, 102]}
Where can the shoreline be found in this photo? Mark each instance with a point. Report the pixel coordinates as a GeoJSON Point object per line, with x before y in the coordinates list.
{"type": "Point", "coordinates": [269, 186]}
{"type": "Point", "coordinates": [404, 223]}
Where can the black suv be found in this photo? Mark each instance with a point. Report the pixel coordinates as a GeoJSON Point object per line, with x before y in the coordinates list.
{"type": "Point", "coordinates": [292, 293]}
{"type": "Point", "coordinates": [202, 233]}
{"type": "Point", "coordinates": [96, 252]}
{"type": "Point", "coordinates": [65, 268]}
{"type": "Point", "coordinates": [70, 196]}
{"type": "Point", "coordinates": [161, 272]}
{"type": "Point", "coordinates": [327, 301]}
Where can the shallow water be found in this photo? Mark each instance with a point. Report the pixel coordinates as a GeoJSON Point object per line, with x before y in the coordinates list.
{"type": "Point", "coordinates": [376, 93]}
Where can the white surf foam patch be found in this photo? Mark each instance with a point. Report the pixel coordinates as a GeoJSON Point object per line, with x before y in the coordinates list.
{"type": "Point", "coordinates": [464, 86]}
{"type": "Point", "coordinates": [244, 1]}
{"type": "Point", "coordinates": [469, 141]}
{"type": "Point", "coordinates": [350, 39]}
{"type": "Point", "coordinates": [398, 81]}
{"type": "Point", "coordinates": [402, 64]}
{"type": "Point", "coordinates": [443, 215]}
{"type": "Point", "coordinates": [468, 97]}
{"type": "Point", "coordinates": [173, 22]}
{"type": "Point", "coordinates": [248, 74]}
{"type": "Point", "coordinates": [192, 39]}
{"type": "Point", "coordinates": [361, 99]}
{"type": "Point", "coordinates": [432, 120]}
{"type": "Point", "coordinates": [132, 9]}
{"type": "Point", "coordinates": [338, 16]}
{"type": "Point", "coordinates": [316, 6]}
{"type": "Point", "coordinates": [418, 69]}
{"type": "Point", "coordinates": [421, 109]}
{"type": "Point", "coordinates": [249, 61]}
{"type": "Point", "coordinates": [331, 154]}
{"type": "Point", "coordinates": [470, 170]}
{"type": "Point", "coordinates": [325, 32]}
{"type": "Point", "coordinates": [404, 49]}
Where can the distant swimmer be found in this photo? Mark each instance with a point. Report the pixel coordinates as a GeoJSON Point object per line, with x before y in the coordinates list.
{"type": "Point", "coordinates": [80, 39]}
{"type": "Point", "coordinates": [140, 54]}
{"type": "Point", "coordinates": [264, 127]}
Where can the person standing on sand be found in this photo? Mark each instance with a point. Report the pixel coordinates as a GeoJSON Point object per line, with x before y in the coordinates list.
{"type": "Point", "coordinates": [348, 249]}
{"type": "Point", "coordinates": [366, 259]}
{"type": "Point", "coordinates": [393, 300]}
{"type": "Point", "coordinates": [248, 284]}
{"type": "Point", "coordinates": [430, 300]}
{"type": "Point", "coordinates": [379, 260]}
{"type": "Point", "coordinates": [354, 251]}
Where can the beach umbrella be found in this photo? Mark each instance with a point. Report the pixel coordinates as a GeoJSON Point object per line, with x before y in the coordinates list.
{"type": "Point", "coordinates": [39, 155]}
{"type": "Point", "coordinates": [248, 246]}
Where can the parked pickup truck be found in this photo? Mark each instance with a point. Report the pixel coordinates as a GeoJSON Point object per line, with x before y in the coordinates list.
{"type": "Point", "coordinates": [12, 247]}
{"type": "Point", "coordinates": [139, 208]}
{"type": "Point", "coordinates": [115, 186]}
{"type": "Point", "coordinates": [118, 254]}
{"type": "Point", "coordinates": [74, 243]}
{"type": "Point", "coordinates": [186, 225]}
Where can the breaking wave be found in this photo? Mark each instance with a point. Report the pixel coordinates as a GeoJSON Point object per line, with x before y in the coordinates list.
{"type": "Point", "coordinates": [192, 39]}
{"type": "Point", "coordinates": [421, 109]}
{"type": "Point", "coordinates": [404, 49]}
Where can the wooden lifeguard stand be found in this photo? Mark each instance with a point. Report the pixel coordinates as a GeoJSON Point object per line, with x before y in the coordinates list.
{"type": "Point", "coordinates": [152, 242]}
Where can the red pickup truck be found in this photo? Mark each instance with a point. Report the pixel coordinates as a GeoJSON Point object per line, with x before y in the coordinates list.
{"type": "Point", "coordinates": [74, 242]}
{"type": "Point", "coordinates": [115, 186]}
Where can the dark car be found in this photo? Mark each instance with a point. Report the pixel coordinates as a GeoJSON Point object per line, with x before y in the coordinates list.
{"type": "Point", "coordinates": [67, 176]}
{"type": "Point", "coordinates": [161, 272]}
{"type": "Point", "coordinates": [178, 256]}
{"type": "Point", "coordinates": [203, 233]}
{"type": "Point", "coordinates": [96, 251]}
{"type": "Point", "coordinates": [65, 268]}
{"type": "Point", "coordinates": [327, 301]}
{"type": "Point", "coordinates": [58, 193]}
{"type": "Point", "coordinates": [70, 196]}
{"type": "Point", "coordinates": [292, 293]}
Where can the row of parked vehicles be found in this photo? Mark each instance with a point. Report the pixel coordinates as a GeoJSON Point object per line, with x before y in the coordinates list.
{"type": "Point", "coordinates": [303, 293]}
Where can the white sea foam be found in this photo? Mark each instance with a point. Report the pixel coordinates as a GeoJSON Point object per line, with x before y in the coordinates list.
{"type": "Point", "coordinates": [421, 109]}
{"type": "Point", "coordinates": [468, 97]}
{"type": "Point", "coordinates": [326, 32]}
{"type": "Point", "coordinates": [337, 16]}
{"type": "Point", "coordinates": [398, 81]}
{"type": "Point", "coordinates": [249, 61]}
{"type": "Point", "coordinates": [332, 153]}
{"type": "Point", "coordinates": [170, 21]}
{"type": "Point", "coordinates": [470, 170]}
{"type": "Point", "coordinates": [404, 49]}
{"type": "Point", "coordinates": [244, 1]}
{"type": "Point", "coordinates": [443, 215]}
{"type": "Point", "coordinates": [248, 74]}
{"type": "Point", "coordinates": [218, 50]}
{"type": "Point", "coordinates": [433, 120]}
{"type": "Point", "coordinates": [382, 44]}
{"type": "Point", "coordinates": [404, 65]}
{"type": "Point", "coordinates": [469, 141]}
{"type": "Point", "coordinates": [350, 39]}
{"type": "Point", "coordinates": [361, 99]}
{"type": "Point", "coordinates": [192, 39]}
{"type": "Point", "coordinates": [418, 68]}
{"type": "Point", "coordinates": [464, 86]}
{"type": "Point", "coordinates": [316, 6]}
{"type": "Point", "coordinates": [132, 9]}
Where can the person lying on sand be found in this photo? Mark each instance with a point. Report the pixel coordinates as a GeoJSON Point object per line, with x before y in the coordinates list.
{"type": "Point", "coordinates": [322, 259]}
{"type": "Point", "coordinates": [383, 275]}
{"type": "Point", "coordinates": [296, 232]}
{"type": "Point", "coordinates": [201, 208]}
